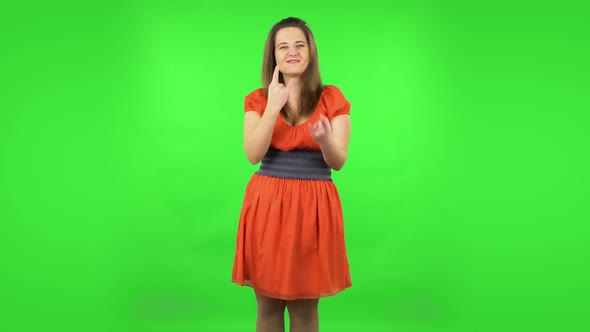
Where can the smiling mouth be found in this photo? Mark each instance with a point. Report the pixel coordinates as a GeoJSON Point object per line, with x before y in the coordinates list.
{"type": "Point", "coordinates": [293, 61]}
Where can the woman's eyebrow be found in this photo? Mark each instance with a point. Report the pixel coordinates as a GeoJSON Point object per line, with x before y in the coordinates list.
{"type": "Point", "coordinates": [299, 41]}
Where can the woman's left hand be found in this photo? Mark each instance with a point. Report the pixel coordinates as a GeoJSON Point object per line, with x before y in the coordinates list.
{"type": "Point", "coordinates": [321, 131]}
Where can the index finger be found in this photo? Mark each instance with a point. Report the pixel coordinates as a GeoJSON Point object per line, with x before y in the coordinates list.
{"type": "Point", "coordinates": [275, 75]}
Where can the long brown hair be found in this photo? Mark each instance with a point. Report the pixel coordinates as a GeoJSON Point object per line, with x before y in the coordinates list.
{"type": "Point", "coordinates": [311, 82]}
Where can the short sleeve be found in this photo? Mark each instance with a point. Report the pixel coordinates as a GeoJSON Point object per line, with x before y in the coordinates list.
{"type": "Point", "coordinates": [336, 103]}
{"type": "Point", "coordinates": [255, 101]}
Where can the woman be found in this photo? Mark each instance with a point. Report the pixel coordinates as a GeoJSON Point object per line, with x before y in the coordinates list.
{"type": "Point", "coordinates": [290, 243]}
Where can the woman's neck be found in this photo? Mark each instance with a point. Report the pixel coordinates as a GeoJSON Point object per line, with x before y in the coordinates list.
{"type": "Point", "coordinates": [295, 85]}
{"type": "Point", "coordinates": [294, 90]}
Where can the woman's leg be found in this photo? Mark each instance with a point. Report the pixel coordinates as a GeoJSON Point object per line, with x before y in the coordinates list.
{"type": "Point", "coordinates": [271, 314]}
{"type": "Point", "coordinates": [303, 315]}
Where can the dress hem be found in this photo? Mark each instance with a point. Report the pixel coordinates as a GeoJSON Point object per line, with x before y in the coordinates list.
{"type": "Point", "coordinates": [286, 297]}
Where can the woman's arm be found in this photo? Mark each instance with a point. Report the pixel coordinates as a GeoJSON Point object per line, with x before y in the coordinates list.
{"type": "Point", "coordinates": [258, 129]}
{"type": "Point", "coordinates": [258, 134]}
{"type": "Point", "coordinates": [333, 138]}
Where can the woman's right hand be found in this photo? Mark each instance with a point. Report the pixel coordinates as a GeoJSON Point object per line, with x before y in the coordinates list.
{"type": "Point", "coordinates": [278, 93]}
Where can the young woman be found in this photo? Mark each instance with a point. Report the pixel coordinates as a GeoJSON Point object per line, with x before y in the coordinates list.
{"type": "Point", "coordinates": [290, 244]}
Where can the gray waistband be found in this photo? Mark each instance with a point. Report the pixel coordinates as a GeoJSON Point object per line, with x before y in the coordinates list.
{"type": "Point", "coordinates": [295, 164]}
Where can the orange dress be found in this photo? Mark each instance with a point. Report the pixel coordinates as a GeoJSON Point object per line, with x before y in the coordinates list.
{"type": "Point", "coordinates": [290, 241]}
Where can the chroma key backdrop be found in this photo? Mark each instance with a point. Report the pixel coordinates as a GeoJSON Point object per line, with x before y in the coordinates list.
{"type": "Point", "coordinates": [465, 194]}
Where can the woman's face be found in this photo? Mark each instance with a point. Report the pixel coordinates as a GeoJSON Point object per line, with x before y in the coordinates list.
{"type": "Point", "coordinates": [291, 51]}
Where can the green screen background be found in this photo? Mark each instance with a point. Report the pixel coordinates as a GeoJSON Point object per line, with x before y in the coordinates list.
{"type": "Point", "coordinates": [465, 193]}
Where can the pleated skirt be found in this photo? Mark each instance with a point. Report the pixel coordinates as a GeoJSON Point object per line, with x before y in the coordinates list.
{"type": "Point", "coordinates": [290, 240]}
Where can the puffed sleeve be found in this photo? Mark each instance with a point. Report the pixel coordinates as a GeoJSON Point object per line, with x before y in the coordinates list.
{"type": "Point", "coordinates": [336, 103]}
{"type": "Point", "coordinates": [255, 101]}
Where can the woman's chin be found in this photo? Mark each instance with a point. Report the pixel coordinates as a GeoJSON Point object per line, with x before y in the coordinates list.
{"type": "Point", "coordinates": [292, 73]}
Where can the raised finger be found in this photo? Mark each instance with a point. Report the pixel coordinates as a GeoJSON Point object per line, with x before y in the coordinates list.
{"type": "Point", "coordinates": [275, 75]}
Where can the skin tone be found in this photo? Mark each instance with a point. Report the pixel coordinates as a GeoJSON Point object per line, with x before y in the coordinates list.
{"type": "Point", "coordinates": [292, 56]}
